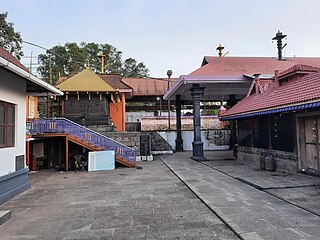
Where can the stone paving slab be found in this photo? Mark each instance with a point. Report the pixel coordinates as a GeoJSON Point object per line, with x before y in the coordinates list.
{"type": "Point", "coordinates": [299, 189]}
{"type": "Point", "coordinates": [252, 213]}
{"type": "Point", "coordinates": [151, 203]}
{"type": "Point", "coordinates": [224, 162]}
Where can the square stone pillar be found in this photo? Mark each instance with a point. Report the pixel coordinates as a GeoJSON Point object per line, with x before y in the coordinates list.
{"type": "Point", "coordinates": [179, 140]}
{"type": "Point", "coordinates": [197, 144]}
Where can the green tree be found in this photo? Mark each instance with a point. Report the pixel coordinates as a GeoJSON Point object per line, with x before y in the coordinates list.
{"type": "Point", "coordinates": [133, 69]}
{"type": "Point", "coordinates": [59, 68]}
{"type": "Point", "coordinates": [73, 58]}
{"type": "Point", "coordinates": [9, 39]}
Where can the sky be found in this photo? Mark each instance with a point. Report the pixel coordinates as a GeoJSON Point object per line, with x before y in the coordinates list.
{"type": "Point", "coordinates": [170, 34]}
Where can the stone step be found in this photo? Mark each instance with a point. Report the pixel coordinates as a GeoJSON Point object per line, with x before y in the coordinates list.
{"type": "Point", "coordinates": [4, 216]}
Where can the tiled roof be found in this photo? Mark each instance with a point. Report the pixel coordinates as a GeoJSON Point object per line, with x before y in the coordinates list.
{"type": "Point", "coordinates": [60, 80]}
{"type": "Point", "coordinates": [114, 80]}
{"type": "Point", "coordinates": [250, 65]}
{"type": "Point", "coordinates": [299, 68]}
{"type": "Point", "coordinates": [85, 81]}
{"type": "Point", "coordinates": [263, 85]}
{"type": "Point", "coordinates": [300, 90]}
{"type": "Point", "coordinates": [148, 86]}
{"type": "Point", "coordinates": [9, 57]}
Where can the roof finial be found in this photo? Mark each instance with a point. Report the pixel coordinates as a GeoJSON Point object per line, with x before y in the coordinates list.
{"type": "Point", "coordinates": [220, 48]}
{"type": "Point", "coordinates": [279, 36]}
{"type": "Point", "coordinates": [102, 57]}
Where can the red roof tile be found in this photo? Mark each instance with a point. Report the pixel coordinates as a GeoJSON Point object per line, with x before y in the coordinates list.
{"type": "Point", "coordinates": [9, 57]}
{"type": "Point", "coordinates": [60, 80]}
{"type": "Point", "coordinates": [296, 91]}
{"type": "Point", "coordinates": [148, 86]}
{"type": "Point", "coordinates": [114, 80]}
{"type": "Point", "coordinates": [249, 65]}
{"type": "Point", "coordinates": [299, 68]}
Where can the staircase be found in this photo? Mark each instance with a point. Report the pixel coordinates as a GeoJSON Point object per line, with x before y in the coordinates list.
{"type": "Point", "coordinates": [83, 136]}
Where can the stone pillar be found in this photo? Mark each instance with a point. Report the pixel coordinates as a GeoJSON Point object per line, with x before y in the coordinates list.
{"type": "Point", "coordinates": [179, 140]}
{"type": "Point", "coordinates": [197, 144]}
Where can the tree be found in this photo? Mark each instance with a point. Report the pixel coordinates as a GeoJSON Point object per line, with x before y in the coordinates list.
{"type": "Point", "coordinates": [9, 39]}
{"type": "Point", "coordinates": [133, 69]}
{"type": "Point", "coordinates": [73, 58]}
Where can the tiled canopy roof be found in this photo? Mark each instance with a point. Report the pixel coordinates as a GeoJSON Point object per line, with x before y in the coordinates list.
{"type": "Point", "coordinates": [148, 86]}
{"type": "Point", "coordinates": [85, 81]}
{"type": "Point", "coordinates": [299, 68]}
{"type": "Point", "coordinates": [299, 91]}
{"type": "Point", "coordinates": [250, 65]}
{"type": "Point", "coordinates": [114, 80]}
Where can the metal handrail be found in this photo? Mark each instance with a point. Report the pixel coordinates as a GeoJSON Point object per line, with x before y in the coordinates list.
{"type": "Point", "coordinates": [64, 125]}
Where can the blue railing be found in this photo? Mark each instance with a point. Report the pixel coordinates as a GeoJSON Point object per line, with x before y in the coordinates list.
{"type": "Point", "coordinates": [63, 125]}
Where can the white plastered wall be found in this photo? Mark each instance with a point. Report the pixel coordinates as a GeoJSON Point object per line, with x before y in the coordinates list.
{"type": "Point", "coordinates": [13, 90]}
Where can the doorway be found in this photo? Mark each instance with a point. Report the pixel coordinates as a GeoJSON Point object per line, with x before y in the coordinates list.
{"type": "Point", "coordinates": [309, 139]}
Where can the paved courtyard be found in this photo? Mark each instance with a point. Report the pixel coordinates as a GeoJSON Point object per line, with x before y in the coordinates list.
{"type": "Point", "coordinates": [255, 204]}
{"type": "Point", "coordinates": [172, 197]}
{"type": "Point", "coordinates": [147, 203]}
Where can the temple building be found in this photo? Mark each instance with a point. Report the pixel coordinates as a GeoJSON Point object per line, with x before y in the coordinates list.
{"type": "Point", "coordinates": [94, 101]}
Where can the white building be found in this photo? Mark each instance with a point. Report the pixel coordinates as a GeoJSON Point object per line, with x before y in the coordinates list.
{"type": "Point", "coordinates": [16, 82]}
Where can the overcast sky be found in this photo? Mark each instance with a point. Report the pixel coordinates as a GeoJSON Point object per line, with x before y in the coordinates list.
{"type": "Point", "coordinates": [170, 34]}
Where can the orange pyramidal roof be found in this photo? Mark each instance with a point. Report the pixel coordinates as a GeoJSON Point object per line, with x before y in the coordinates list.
{"type": "Point", "coordinates": [85, 81]}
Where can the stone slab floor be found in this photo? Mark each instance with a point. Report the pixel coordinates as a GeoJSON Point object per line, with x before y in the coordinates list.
{"type": "Point", "coordinates": [151, 203]}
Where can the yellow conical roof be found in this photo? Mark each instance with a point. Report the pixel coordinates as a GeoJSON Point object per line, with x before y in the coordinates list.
{"type": "Point", "coordinates": [85, 81]}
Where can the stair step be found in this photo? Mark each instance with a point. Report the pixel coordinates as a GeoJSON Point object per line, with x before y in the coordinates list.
{"type": "Point", "coordinates": [124, 161]}
{"type": "Point", "coordinates": [4, 216]}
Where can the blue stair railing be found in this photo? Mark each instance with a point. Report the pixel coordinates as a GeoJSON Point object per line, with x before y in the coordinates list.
{"type": "Point", "coordinates": [64, 125]}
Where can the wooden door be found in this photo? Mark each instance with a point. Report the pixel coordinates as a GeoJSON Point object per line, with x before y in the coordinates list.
{"type": "Point", "coordinates": [312, 142]}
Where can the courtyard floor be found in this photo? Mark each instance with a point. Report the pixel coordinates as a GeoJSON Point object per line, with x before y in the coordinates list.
{"type": "Point", "coordinates": [172, 197]}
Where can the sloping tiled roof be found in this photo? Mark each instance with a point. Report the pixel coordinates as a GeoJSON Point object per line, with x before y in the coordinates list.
{"type": "Point", "coordinates": [34, 85]}
{"type": "Point", "coordinates": [9, 57]}
{"type": "Point", "coordinates": [250, 65]}
{"type": "Point", "coordinates": [148, 86]}
{"type": "Point", "coordinates": [114, 80]}
{"type": "Point", "coordinates": [60, 80]}
{"type": "Point", "coordinates": [302, 90]}
{"type": "Point", "coordinates": [85, 81]}
{"type": "Point", "coordinates": [299, 68]}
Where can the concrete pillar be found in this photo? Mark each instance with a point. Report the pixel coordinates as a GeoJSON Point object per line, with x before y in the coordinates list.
{"type": "Point", "coordinates": [197, 144]}
{"type": "Point", "coordinates": [179, 140]}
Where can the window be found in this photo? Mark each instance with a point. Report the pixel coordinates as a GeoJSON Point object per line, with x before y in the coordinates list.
{"type": "Point", "coordinates": [7, 124]}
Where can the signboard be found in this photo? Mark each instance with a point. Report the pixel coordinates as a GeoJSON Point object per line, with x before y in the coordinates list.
{"type": "Point", "coordinates": [102, 160]}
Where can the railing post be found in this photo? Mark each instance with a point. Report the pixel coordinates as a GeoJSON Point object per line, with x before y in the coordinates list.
{"type": "Point", "coordinates": [67, 154]}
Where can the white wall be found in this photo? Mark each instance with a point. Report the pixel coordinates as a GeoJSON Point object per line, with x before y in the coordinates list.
{"type": "Point", "coordinates": [13, 90]}
{"type": "Point", "coordinates": [187, 136]}
{"type": "Point", "coordinates": [134, 116]}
